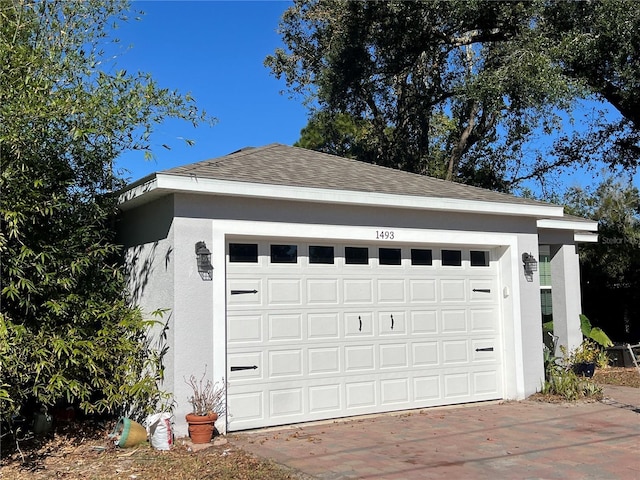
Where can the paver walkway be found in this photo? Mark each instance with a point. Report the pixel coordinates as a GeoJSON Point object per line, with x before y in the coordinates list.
{"type": "Point", "coordinates": [511, 440]}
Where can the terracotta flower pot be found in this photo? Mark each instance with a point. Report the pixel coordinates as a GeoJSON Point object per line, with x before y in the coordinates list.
{"type": "Point", "coordinates": [201, 427]}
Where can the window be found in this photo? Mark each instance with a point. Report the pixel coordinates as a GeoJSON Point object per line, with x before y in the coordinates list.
{"type": "Point", "coordinates": [284, 254]}
{"type": "Point", "coordinates": [243, 252]}
{"type": "Point", "coordinates": [452, 258]}
{"type": "Point", "coordinates": [319, 254]}
{"type": "Point", "coordinates": [389, 256]}
{"type": "Point", "coordinates": [356, 255]}
{"type": "Point", "coordinates": [479, 258]}
{"type": "Point", "coordinates": [420, 256]}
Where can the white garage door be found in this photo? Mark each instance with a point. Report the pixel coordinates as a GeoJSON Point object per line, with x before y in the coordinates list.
{"type": "Point", "coordinates": [320, 330]}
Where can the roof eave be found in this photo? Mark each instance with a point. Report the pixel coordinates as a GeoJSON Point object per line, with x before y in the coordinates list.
{"type": "Point", "coordinates": [163, 184]}
{"type": "Point", "coordinates": [568, 224]}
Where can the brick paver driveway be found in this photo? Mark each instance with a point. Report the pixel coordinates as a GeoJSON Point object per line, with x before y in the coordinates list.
{"type": "Point", "coordinates": [511, 440]}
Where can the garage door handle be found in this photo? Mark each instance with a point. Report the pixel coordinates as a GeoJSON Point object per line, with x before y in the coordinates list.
{"type": "Point", "coordinates": [391, 322]}
{"type": "Point", "coordinates": [360, 327]}
{"type": "Point", "coordinates": [242, 292]}
{"type": "Point", "coordinates": [482, 290]}
{"type": "Point", "coordinates": [252, 367]}
{"type": "Point", "coordinates": [487, 349]}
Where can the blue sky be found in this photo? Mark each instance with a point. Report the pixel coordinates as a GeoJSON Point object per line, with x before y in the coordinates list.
{"type": "Point", "coordinates": [215, 51]}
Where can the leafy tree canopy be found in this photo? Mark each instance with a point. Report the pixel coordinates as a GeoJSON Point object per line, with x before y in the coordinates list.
{"type": "Point", "coordinates": [67, 330]}
{"type": "Point", "coordinates": [611, 268]}
{"type": "Point", "coordinates": [454, 89]}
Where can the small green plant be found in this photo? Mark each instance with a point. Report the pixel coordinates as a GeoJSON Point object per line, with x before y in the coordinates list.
{"type": "Point", "coordinates": [587, 352]}
{"type": "Point", "coordinates": [560, 380]}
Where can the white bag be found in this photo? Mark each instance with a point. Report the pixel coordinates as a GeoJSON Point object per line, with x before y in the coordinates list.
{"type": "Point", "coordinates": [159, 430]}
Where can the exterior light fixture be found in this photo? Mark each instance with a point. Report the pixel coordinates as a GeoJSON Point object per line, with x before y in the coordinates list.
{"type": "Point", "coordinates": [203, 255]}
{"type": "Point", "coordinates": [530, 265]}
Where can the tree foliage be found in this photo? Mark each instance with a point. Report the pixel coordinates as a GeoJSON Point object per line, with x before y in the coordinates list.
{"type": "Point", "coordinates": [611, 268]}
{"type": "Point", "coordinates": [598, 45]}
{"type": "Point", "coordinates": [67, 330]}
{"type": "Point", "coordinates": [454, 89]}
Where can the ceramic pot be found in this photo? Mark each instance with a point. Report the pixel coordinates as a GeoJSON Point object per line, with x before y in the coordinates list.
{"type": "Point", "coordinates": [586, 369]}
{"type": "Point", "coordinates": [201, 427]}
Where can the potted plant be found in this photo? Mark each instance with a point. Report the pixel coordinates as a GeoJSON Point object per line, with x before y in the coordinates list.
{"type": "Point", "coordinates": [208, 402]}
{"type": "Point", "coordinates": [584, 358]}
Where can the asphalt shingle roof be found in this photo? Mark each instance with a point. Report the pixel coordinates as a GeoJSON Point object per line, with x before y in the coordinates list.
{"type": "Point", "coordinates": [283, 165]}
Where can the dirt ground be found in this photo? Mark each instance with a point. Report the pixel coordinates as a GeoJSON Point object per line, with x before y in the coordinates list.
{"type": "Point", "coordinates": [83, 452]}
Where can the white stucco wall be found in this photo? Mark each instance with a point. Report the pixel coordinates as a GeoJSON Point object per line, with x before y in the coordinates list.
{"type": "Point", "coordinates": [198, 309]}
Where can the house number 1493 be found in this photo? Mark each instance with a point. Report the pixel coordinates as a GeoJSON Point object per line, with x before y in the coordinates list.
{"type": "Point", "coordinates": [385, 235]}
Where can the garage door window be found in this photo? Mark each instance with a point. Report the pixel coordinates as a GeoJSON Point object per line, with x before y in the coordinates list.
{"type": "Point", "coordinates": [421, 256]}
{"type": "Point", "coordinates": [389, 256]}
{"type": "Point", "coordinates": [356, 255]}
{"type": "Point", "coordinates": [318, 254]}
{"type": "Point", "coordinates": [243, 252]}
{"type": "Point", "coordinates": [452, 258]}
{"type": "Point", "coordinates": [479, 258]}
{"type": "Point", "coordinates": [284, 254]}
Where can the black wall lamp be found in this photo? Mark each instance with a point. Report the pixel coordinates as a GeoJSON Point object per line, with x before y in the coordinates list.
{"type": "Point", "coordinates": [203, 255]}
{"type": "Point", "coordinates": [530, 265]}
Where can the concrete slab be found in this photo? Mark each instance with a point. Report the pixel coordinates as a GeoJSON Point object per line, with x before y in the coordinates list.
{"type": "Point", "coordinates": [506, 440]}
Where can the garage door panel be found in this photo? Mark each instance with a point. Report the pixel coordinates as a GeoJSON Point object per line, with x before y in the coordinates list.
{"type": "Point", "coordinates": [250, 407]}
{"type": "Point", "coordinates": [456, 385]}
{"type": "Point", "coordinates": [455, 351]}
{"type": "Point", "coordinates": [284, 291]}
{"type": "Point", "coordinates": [244, 292]}
{"type": "Point", "coordinates": [359, 358]}
{"type": "Point", "coordinates": [285, 363]}
{"type": "Point", "coordinates": [422, 290]}
{"type": "Point", "coordinates": [424, 322]}
{"type": "Point", "coordinates": [394, 391]}
{"type": "Point", "coordinates": [324, 325]}
{"type": "Point", "coordinates": [285, 327]}
{"type": "Point", "coordinates": [394, 356]}
{"type": "Point", "coordinates": [426, 388]}
{"type": "Point", "coordinates": [425, 354]}
{"type": "Point", "coordinates": [324, 360]}
{"type": "Point", "coordinates": [244, 329]}
{"type": "Point", "coordinates": [484, 350]}
{"type": "Point", "coordinates": [360, 394]}
{"type": "Point", "coordinates": [322, 291]}
{"type": "Point", "coordinates": [241, 365]}
{"type": "Point", "coordinates": [325, 398]}
{"type": "Point", "coordinates": [286, 402]}
{"type": "Point", "coordinates": [358, 325]}
{"type": "Point", "coordinates": [454, 321]}
{"type": "Point", "coordinates": [358, 291]}
{"type": "Point", "coordinates": [482, 290]}
{"type": "Point", "coordinates": [483, 320]}
{"type": "Point", "coordinates": [453, 290]}
{"type": "Point", "coordinates": [392, 323]}
{"type": "Point", "coordinates": [391, 290]}
{"type": "Point", "coordinates": [485, 382]}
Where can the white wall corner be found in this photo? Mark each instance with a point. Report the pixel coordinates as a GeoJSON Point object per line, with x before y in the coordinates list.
{"type": "Point", "coordinates": [530, 317]}
{"type": "Point", "coordinates": [565, 292]}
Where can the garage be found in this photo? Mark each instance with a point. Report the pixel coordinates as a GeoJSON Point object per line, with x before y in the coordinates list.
{"type": "Point", "coordinates": [314, 287]}
{"type": "Point", "coordinates": [318, 331]}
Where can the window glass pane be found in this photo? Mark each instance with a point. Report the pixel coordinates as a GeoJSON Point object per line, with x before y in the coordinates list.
{"type": "Point", "coordinates": [479, 258]}
{"type": "Point", "coordinates": [390, 256]}
{"type": "Point", "coordinates": [420, 256]}
{"type": "Point", "coordinates": [243, 252]}
{"type": "Point", "coordinates": [320, 254]}
{"type": "Point", "coordinates": [356, 255]}
{"type": "Point", "coordinates": [544, 265]}
{"type": "Point", "coordinates": [452, 258]}
{"type": "Point", "coordinates": [284, 253]}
